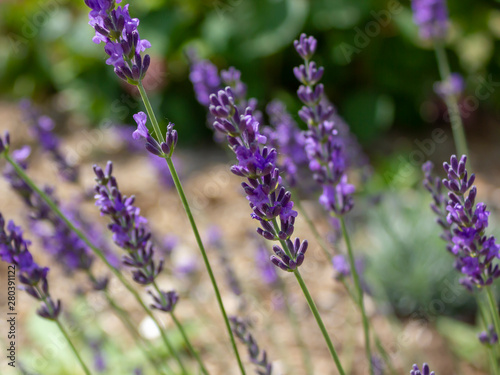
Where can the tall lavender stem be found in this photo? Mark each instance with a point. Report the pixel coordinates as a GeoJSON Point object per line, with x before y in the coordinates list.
{"type": "Point", "coordinates": [359, 289]}
{"type": "Point", "coordinates": [312, 307]}
{"type": "Point", "coordinates": [451, 101]}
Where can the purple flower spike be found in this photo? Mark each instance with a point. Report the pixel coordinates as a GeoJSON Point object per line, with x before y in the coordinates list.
{"type": "Point", "coordinates": [305, 46]}
{"type": "Point", "coordinates": [464, 224]}
{"type": "Point", "coordinates": [41, 127]}
{"type": "Point", "coordinates": [270, 201]}
{"type": "Point", "coordinates": [425, 370]}
{"type": "Point", "coordinates": [165, 149]}
{"type": "Point", "coordinates": [114, 26]}
{"type": "Point", "coordinates": [166, 301]}
{"type": "Point", "coordinates": [240, 329]}
{"type": "Point", "coordinates": [130, 233]}
{"type": "Point", "coordinates": [14, 250]}
{"type": "Point", "coordinates": [324, 146]}
{"type": "Point", "coordinates": [431, 17]}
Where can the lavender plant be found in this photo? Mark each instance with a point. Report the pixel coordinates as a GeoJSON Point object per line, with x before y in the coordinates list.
{"type": "Point", "coordinates": [327, 159]}
{"type": "Point", "coordinates": [114, 26]}
{"type": "Point", "coordinates": [66, 247]}
{"type": "Point", "coordinates": [240, 328]}
{"type": "Point", "coordinates": [131, 234]}
{"type": "Point", "coordinates": [269, 200]}
{"type": "Point", "coordinates": [14, 250]}
{"type": "Point", "coordinates": [431, 17]}
{"type": "Point", "coordinates": [464, 227]}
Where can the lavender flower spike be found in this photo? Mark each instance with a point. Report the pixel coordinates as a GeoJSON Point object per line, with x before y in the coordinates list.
{"type": "Point", "coordinates": [425, 370]}
{"type": "Point", "coordinates": [240, 329]}
{"type": "Point", "coordinates": [268, 199]}
{"type": "Point", "coordinates": [323, 145]}
{"type": "Point", "coordinates": [41, 127]}
{"type": "Point", "coordinates": [127, 225]}
{"type": "Point", "coordinates": [431, 17]}
{"type": "Point", "coordinates": [165, 149]}
{"type": "Point", "coordinates": [14, 250]}
{"type": "Point", "coordinates": [475, 252]}
{"type": "Point", "coordinates": [114, 26]}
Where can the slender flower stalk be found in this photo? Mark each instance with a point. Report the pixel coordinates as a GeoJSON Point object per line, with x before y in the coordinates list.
{"type": "Point", "coordinates": [489, 337]}
{"type": "Point", "coordinates": [115, 27]}
{"type": "Point", "coordinates": [431, 16]}
{"type": "Point", "coordinates": [271, 277]}
{"type": "Point", "coordinates": [327, 157]}
{"type": "Point", "coordinates": [14, 250]}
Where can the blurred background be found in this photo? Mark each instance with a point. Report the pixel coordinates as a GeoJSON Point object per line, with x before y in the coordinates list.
{"type": "Point", "coordinates": [379, 75]}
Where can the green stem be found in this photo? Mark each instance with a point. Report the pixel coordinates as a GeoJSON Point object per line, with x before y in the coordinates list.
{"type": "Point", "coordinates": [43, 297]}
{"type": "Point", "coordinates": [306, 358]}
{"type": "Point", "coordinates": [20, 171]}
{"type": "Point", "coordinates": [194, 227]}
{"type": "Point", "coordinates": [493, 309]}
{"type": "Point", "coordinates": [451, 102]}
{"type": "Point", "coordinates": [151, 113]}
{"type": "Point", "coordinates": [84, 366]}
{"type": "Point", "coordinates": [319, 321]}
{"type": "Point", "coordinates": [312, 227]}
{"type": "Point", "coordinates": [357, 285]}
{"type": "Point", "coordinates": [143, 346]}
{"type": "Point", "coordinates": [188, 343]}
{"type": "Point", "coordinates": [312, 305]}
{"type": "Point", "coordinates": [491, 349]}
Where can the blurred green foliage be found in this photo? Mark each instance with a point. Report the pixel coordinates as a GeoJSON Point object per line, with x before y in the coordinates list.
{"type": "Point", "coordinates": [377, 71]}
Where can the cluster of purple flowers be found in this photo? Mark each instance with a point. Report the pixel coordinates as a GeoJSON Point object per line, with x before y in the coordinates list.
{"type": "Point", "coordinates": [268, 199]}
{"type": "Point", "coordinates": [205, 79]}
{"type": "Point", "coordinates": [240, 329]}
{"type": "Point", "coordinates": [323, 145]}
{"type": "Point", "coordinates": [41, 127]}
{"type": "Point", "coordinates": [14, 250]}
{"type": "Point", "coordinates": [465, 224]}
{"type": "Point", "coordinates": [431, 17]}
{"type": "Point", "coordinates": [488, 337]}
{"type": "Point", "coordinates": [114, 26]}
{"type": "Point", "coordinates": [425, 370]}
{"type": "Point", "coordinates": [163, 149]}
{"type": "Point", "coordinates": [131, 234]}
